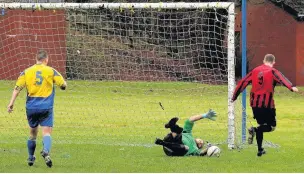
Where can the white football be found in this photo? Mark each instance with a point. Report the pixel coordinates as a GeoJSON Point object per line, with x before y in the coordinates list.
{"type": "Point", "coordinates": [213, 151]}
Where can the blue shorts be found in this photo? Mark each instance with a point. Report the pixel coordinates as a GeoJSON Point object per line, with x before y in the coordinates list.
{"type": "Point", "coordinates": [42, 117]}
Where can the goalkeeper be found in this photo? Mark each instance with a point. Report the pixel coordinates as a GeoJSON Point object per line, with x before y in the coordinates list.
{"type": "Point", "coordinates": [180, 141]}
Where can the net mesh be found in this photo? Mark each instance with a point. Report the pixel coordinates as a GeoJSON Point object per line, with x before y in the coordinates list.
{"type": "Point", "coordinates": [129, 71]}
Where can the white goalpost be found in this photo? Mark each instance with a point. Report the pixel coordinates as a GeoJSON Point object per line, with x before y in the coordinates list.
{"type": "Point", "coordinates": [122, 60]}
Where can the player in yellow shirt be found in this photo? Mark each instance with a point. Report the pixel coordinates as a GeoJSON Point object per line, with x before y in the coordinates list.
{"type": "Point", "coordinates": [39, 82]}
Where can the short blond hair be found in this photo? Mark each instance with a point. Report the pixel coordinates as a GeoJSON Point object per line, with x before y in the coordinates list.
{"type": "Point", "coordinates": [42, 54]}
{"type": "Point", "coordinates": [269, 58]}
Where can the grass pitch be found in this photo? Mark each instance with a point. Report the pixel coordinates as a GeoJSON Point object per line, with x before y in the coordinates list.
{"type": "Point", "coordinates": [111, 127]}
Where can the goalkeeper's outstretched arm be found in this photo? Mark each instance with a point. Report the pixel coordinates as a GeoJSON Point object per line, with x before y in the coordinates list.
{"type": "Point", "coordinates": [211, 114]}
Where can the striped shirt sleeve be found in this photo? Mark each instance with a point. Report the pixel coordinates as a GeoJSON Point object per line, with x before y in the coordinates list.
{"type": "Point", "coordinates": [242, 85]}
{"type": "Point", "coordinates": [280, 78]}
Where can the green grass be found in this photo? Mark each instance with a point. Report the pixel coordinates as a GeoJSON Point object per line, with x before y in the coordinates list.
{"type": "Point", "coordinates": [111, 126]}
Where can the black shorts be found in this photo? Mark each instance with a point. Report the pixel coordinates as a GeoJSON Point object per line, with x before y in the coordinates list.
{"type": "Point", "coordinates": [265, 116]}
{"type": "Point", "coordinates": [176, 150]}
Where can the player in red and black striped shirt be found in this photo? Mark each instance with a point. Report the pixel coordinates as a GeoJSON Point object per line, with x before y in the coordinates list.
{"type": "Point", "coordinates": [263, 79]}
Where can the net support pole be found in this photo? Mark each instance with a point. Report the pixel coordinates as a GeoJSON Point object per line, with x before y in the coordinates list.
{"type": "Point", "coordinates": [231, 77]}
{"type": "Point", "coordinates": [244, 66]}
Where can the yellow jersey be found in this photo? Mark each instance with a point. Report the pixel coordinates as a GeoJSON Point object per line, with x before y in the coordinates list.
{"type": "Point", "coordinates": [39, 81]}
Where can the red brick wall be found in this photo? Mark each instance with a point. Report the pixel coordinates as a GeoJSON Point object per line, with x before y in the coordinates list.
{"type": "Point", "coordinates": [23, 32]}
{"type": "Point", "coordinates": [271, 30]}
{"type": "Point", "coordinates": [300, 54]}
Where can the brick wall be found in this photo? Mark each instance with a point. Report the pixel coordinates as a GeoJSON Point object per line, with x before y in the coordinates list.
{"type": "Point", "coordinates": [23, 32]}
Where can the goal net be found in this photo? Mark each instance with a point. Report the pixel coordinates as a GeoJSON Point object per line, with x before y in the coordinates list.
{"type": "Point", "coordinates": [130, 67]}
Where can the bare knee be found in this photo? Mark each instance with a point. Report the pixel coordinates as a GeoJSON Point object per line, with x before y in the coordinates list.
{"type": "Point", "coordinates": [46, 130]}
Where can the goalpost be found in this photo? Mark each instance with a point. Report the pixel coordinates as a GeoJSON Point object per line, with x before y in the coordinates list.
{"type": "Point", "coordinates": [112, 51]}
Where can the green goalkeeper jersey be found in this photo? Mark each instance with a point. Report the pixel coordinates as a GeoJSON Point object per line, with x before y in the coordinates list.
{"type": "Point", "coordinates": [188, 139]}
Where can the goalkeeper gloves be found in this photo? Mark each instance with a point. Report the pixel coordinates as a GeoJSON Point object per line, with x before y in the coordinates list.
{"type": "Point", "coordinates": [211, 114]}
